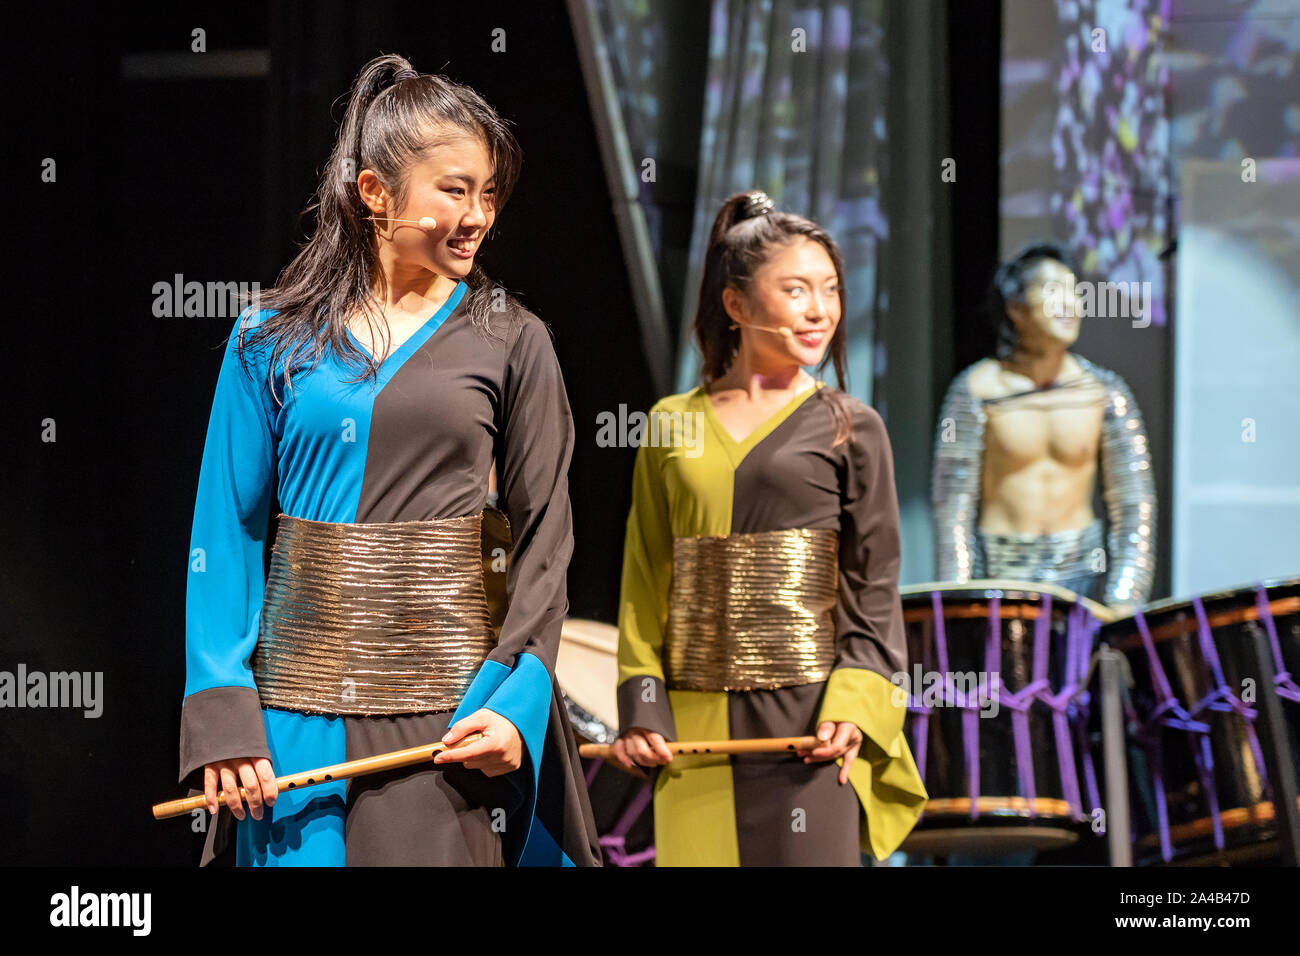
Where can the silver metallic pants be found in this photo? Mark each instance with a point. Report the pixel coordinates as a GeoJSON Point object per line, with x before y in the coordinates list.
{"type": "Point", "coordinates": [1075, 560]}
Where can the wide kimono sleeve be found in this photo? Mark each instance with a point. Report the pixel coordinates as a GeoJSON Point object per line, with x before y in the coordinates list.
{"type": "Point", "coordinates": [533, 449]}
{"type": "Point", "coordinates": [221, 717]}
{"type": "Point", "coordinates": [871, 645]}
{"type": "Point", "coordinates": [955, 489]}
{"type": "Point", "coordinates": [1128, 487]}
{"type": "Point", "coordinates": [643, 601]}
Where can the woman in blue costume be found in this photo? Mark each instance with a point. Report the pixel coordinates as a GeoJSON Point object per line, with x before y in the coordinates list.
{"type": "Point", "coordinates": [370, 394]}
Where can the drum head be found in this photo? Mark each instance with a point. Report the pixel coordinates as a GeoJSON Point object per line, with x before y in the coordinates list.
{"type": "Point", "coordinates": [918, 595]}
{"type": "Point", "coordinates": [587, 670]}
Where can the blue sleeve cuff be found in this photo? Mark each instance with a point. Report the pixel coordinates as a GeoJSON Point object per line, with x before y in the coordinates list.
{"type": "Point", "coordinates": [524, 699]}
{"type": "Point", "coordinates": [522, 695]}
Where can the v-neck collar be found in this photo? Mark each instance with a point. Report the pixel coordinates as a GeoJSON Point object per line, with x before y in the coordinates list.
{"type": "Point", "coordinates": [399, 355]}
{"type": "Point", "coordinates": [737, 450]}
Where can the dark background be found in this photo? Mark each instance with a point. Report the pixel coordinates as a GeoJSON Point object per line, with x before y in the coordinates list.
{"type": "Point", "coordinates": [206, 176]}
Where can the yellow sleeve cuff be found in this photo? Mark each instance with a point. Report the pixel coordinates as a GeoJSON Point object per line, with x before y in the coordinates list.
{"type": "Point", "coordinates": [884, 775]}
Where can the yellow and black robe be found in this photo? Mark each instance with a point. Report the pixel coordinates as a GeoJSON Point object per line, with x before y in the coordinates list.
{"type": "Point", "coordinates": [772, 809]}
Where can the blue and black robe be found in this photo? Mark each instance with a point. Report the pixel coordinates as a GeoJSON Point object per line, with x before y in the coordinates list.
{"type": "Point", "coordinates": [416, 445]}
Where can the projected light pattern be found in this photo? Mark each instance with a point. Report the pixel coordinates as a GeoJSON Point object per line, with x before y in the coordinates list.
{"type": "Point", "coordinates": [1110, 140]}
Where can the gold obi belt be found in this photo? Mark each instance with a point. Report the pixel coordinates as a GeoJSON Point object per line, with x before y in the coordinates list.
{"type": "Point", "coordinates": [752, 611]}
{"type": "Point", "coordinates": [382, 618]}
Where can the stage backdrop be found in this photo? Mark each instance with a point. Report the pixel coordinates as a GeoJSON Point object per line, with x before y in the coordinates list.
{"type": "Point", "coordinates": [1235, 140]}
{"type": "Point", "coordinates": [795, 105]}
{"type": "Point", "coordinates": [1103, 104]}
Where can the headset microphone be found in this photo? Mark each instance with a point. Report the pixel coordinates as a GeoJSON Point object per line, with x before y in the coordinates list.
{"type": "Point", "coordinates": [424, 222]}
{"type": "Point", "coordinates": [762, 328]}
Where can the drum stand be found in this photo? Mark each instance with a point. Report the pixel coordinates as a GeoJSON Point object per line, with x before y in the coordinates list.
{"type": "Point", "coordinates": [1111, 665]}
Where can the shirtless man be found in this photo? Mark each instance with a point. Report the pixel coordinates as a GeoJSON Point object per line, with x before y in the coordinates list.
{"type": "Point", "coordinates": [1018, 446]}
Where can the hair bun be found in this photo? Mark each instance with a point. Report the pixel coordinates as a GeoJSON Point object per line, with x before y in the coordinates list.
{"type": "Point", "coordinates": [758, 203]}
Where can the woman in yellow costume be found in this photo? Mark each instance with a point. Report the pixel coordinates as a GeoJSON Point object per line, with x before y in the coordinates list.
{"type": "Point", "coordinates": [760, 575]}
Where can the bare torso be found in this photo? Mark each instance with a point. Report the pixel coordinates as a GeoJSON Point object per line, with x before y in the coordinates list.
{"type": "Point", "coordinates": [1040, 450]}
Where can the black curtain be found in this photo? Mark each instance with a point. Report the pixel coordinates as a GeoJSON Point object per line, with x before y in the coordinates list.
{"type": "Point", "coordinates": [200, 168]}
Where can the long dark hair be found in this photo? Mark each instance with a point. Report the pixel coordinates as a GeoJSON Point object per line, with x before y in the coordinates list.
{"type": "Point", "coordinates": [1009, 283]}
{"type": "Point", "coordinates": [745, 233]}
{"type": "Point", "coordinates": [394, 117]}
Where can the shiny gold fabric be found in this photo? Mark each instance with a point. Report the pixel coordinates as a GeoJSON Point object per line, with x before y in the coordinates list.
{"type": "Point", "coordinates": [381, 618]}
{"type": "Point", "coordinates": [752, 611]}
{"type": "Point", "coordinates": [498, 543]}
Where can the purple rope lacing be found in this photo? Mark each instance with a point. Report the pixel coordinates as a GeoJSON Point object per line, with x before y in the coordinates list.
{"type": "Point", "coordinates": [1068, 706]}
{"type": "Point", "coordinates": [1023, 699]}
{"type": "Point", "coordinates": [1285, 686]}
{"type": "Point", "coordinates": [915, 705]}
{"type": "Point", "coordinates": [1204, 760]}
{"type": "Point", "coordinates": [615, 841]}
{"type": "Point", "coordinates": [1081, 636]}
{"type": "Point", "coordinates": [1222, 698]}
{"type": "Point", "coordinates": [970, 714]}
{"type": "Point", "coordinates": [969, 709]}
{"type": "Point", "coordinates": [1170, 713]}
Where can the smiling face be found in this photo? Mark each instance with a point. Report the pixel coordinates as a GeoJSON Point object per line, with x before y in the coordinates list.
{"type": "Point", "coordinates": [794, 298]}
{"type": "Point", "coordinates": [455, 185]}
{"type": "Point", "coordinates": [1050, 314]}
